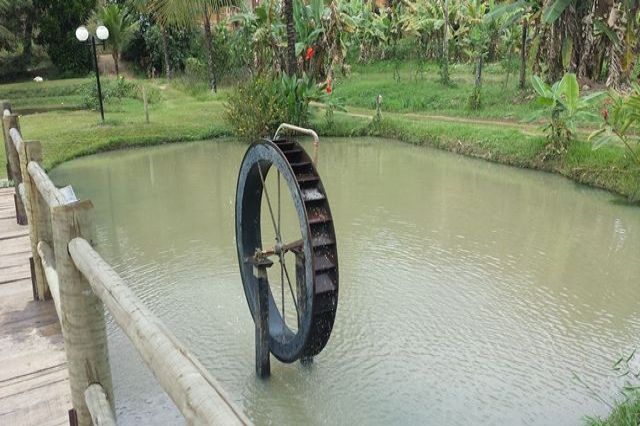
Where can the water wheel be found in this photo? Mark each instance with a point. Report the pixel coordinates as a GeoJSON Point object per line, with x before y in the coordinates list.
{"type": "Point", "coordinates": [278, 176]}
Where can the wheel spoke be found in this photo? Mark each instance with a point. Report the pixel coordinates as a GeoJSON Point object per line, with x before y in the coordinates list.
{"type": "Point", "coordinates": [284, 321]}
{"type": "Point", "coordinates": [266, 193]}
{"type": "Point", "coordinates": [281, 263]}
{"type": "Point", "coordinates": [293, 296]}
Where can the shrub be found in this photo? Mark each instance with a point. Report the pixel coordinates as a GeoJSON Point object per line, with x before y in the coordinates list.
{"type": "Point", "coordinates": [256, 108]}
{"type": "Point", "coordinates": [113, 91]}
{"type": "Point", "coordinates": [563, 106]}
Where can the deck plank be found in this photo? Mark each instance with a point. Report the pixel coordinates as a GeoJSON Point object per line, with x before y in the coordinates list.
{"type": "Point", "coordinates": [34, 383]}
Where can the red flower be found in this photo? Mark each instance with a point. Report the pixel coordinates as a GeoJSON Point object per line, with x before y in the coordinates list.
{"type": "Point", "coordinates": [329, 89]}
{"type": "Point", "coordinates": [605, 114]}
{"type": "Point", "coordinates": [310, 53]}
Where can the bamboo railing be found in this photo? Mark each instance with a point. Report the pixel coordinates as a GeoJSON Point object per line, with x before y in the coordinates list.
{"type": "Point", "coordinates": [67, 269]}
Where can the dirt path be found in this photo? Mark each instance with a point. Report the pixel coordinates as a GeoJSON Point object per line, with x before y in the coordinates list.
{"type": "Point", "coordinates": [531, 129]}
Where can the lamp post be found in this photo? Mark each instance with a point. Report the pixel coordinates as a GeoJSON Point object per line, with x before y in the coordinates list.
{"type": "Point", "coordinates": [83, 35]}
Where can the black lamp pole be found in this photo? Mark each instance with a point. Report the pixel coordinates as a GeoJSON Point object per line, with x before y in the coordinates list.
{"type": "Point", "coordinates": [95, 64]}
{"type": "Point", "coordinates": [83, 35]}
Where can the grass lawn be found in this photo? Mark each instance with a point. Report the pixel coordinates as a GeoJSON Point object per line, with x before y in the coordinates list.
{"type": "Point", "coordinates": [69, 134]}
{"type": "Point", "coordinates": [185, 114]}
{"type": "Point", "coordinates": [424, 93]}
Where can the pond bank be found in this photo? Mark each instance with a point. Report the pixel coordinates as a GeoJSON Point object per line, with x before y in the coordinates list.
{"type": "Point", "coordinates": [608, 168]}
{"type": "Point", "coordinates": [69, 134]}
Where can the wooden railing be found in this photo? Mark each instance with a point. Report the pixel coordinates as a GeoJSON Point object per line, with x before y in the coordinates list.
{"type": "Point", "coordinates": [67, 269]}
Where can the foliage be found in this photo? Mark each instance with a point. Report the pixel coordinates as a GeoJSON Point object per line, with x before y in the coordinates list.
{"type": "Point", "coordinates": [563, 106]}
{"type": "Point", "coordinates": [256, 108]}
{"type": "Point", "coordinates": [121, 24]}
{"type": "Point", "coordinates": [145, 48]}
{"type": "Point", "coordinates": [299, 92]}
{"type": "Point", "coordinates": [627, 411]}
{"type": "Point", "coordinates": [621, 117]}
{"type": "Point", "coordinates": [114, 91]}
{"type": "Point", "coordinates": [57, 21]}
{"type": "Point", "coordinates": [325, 29]}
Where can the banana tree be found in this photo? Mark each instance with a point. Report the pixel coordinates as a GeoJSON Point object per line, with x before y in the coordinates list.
{"type": "Point", "coordinates": [564, 107]}
{"type": "Point", "coordinates": [265, 31]}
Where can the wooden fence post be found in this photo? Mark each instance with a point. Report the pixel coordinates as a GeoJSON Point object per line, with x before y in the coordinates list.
{"type": "Point", "coordinates": [37, 218]}
{"type": "Point", "coordinates": [83, 324]}
{"type": "Point", "coordinates": [5, 105]}
{"type": "Point", "coordinates": [13, 161]}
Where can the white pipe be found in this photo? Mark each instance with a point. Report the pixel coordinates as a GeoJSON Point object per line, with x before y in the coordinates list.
{"type": "Point", "coordinates": [316, 140]}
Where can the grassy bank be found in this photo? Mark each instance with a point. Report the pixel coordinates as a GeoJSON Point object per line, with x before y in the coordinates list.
{"type": "Point", "coordinates": [626, 413]}
{"type": "Point", "coordinates": [185, 116]}
{"type": "Point", "coordinates": [608, 168]}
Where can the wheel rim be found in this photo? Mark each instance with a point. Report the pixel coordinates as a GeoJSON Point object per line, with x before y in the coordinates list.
{"type": "Point", "coordinates": [316, 275]}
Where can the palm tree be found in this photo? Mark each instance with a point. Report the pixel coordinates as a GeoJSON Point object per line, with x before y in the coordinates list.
{"type": "Point", "coordinates": [121, 25]}
{"type": "Point", "coordinates": [187, 13]}
{"type": "Point", "coordinates": [291, 37]}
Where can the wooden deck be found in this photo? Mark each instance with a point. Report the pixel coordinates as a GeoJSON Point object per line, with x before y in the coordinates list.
{"type": "Point", "coordinates": [34, 384]}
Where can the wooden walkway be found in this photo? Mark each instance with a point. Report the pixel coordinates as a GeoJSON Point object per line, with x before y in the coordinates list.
{"type": "Point", "coordinates": [34, 384]}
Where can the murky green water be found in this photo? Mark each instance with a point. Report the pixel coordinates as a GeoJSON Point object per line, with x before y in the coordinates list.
{"type": "Point", "coordinates": [471, 293]}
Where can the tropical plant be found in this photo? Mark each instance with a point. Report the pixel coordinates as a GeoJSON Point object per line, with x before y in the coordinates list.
{"type": "Point", "coordinates": [144, 7]}
{"type": "Point", "coordinates": [262, 31]}
{"type": "Point", "coordinates": [188, 13]}
{"type": "Point", "coordinates": [299, 92]}
{"type": "Point", "coordinates": [323, 36]}
{"type": "Point", "coordinates": [621, 116]}
{"type": "Point", "coordinates": [563, 106]}
{"type": "Point", "coordinates": [121, 24]}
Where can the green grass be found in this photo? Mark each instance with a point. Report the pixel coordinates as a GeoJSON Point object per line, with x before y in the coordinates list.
{"type": "Point", "coordinates": [185, 114]}
{"type": "Point", "coordinates": [423, 93]}
{"type": "Point", "coordinates": [69, 134]}
{"type": "Point", "coordinates": [625, 413]}
{"type": "Point", "coordinates": [48, 95]}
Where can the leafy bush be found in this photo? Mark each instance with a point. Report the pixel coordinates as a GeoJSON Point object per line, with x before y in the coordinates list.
{"type": "Point", "coordinates": [57, 20]}
{"type": "Point", "coordinates": [145, 48]}
{"type": "Point", "coordinates": [256, 108]}
{"type": "Point", "coordinates": [621, 117]}
{"type": "Point", "coordinates": [113, 91]}
{"type": "Point", "coordinates": [195, 69]}
{"type": "Point", "coordinates": [563, 106]}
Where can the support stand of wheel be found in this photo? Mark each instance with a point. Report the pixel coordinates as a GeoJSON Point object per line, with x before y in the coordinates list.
{"type": "Point", "coordinates": [301, 289]}
{"type": "Point", "coordinates": [263, 365]}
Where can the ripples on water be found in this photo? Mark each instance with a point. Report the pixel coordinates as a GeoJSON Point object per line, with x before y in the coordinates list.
{"type": "Point", "coordinates": [470, 292]}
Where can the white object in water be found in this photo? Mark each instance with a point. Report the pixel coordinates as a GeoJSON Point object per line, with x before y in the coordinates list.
{"type": "Point", "coordinates": [38, 79]}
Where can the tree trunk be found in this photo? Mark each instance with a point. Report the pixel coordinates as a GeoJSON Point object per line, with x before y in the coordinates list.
{"type": "Point", "coordinates": [478, 82]}
{"type": "Point", "coordinates": [445, 46]}
{"type": "Point", "coordinates": [587, 58]}
{"type": "Point", "coordinates": [615, 52]}
{"type": "Point", "coordinates": [523, 55]}
{"type": "Point", "coordinates": [207, 43]}
{"type": "Point", "coordinates": [115, 61]}
{"type": "Point", "coordinates": [28, 34]}
{"type": "Point", "coordinates": [291, 38]}
{"type": "Point", "coordinates": [165, 51]}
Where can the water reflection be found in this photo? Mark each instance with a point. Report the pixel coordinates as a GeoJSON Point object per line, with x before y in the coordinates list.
{"type": "Point", "coordinates": [470, 292]}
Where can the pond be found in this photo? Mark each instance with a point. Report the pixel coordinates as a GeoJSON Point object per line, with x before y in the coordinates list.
{"type": "Point", "coordinates": [470, 293]}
